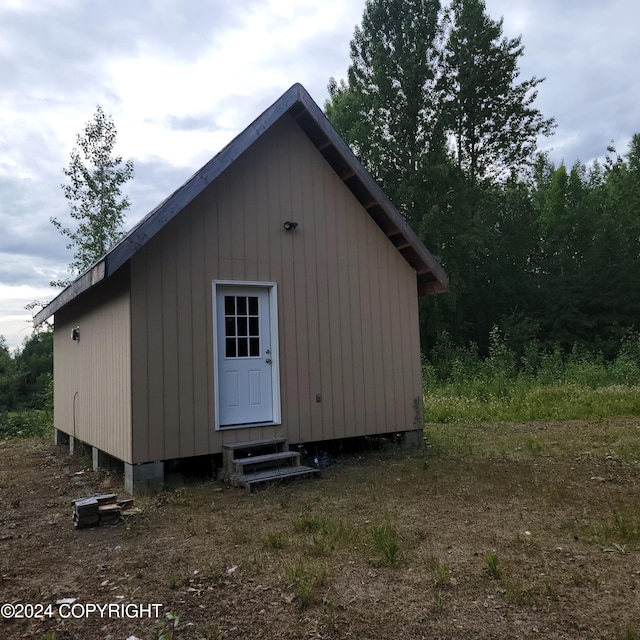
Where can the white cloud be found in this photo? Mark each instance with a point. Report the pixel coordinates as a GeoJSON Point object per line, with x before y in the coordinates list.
{"type": "Point", "coordinates": [182, 78]}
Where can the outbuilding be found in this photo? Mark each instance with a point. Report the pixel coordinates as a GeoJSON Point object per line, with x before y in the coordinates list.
{"type": "Point", "coordinates": [272, 297]}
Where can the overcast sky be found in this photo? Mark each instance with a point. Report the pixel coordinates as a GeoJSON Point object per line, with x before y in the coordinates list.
{"type": "Point", "coordinates": [182, 77]}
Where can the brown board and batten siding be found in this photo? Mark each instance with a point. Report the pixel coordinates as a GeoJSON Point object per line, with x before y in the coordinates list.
{"type": "Point", "coordinates": [92, 390]}
{"type": "Point", "coordinates": [347, 306]}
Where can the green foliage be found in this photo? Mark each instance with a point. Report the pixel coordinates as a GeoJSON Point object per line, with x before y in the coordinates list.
{"type": "Point", "coordinates": [25, 424]}
{"type": "Point", "coordinates": [274, 541]}
{"type": "Point", "coordinates": [462, 386]}
{"type": "Point", "coordinates": [493, 565]}
{"type": "Point", "coordinates": [35, 364]}
{"type": "Point", "coordinates": [627, 632]}
{"type": "Point", "coordinates": [441, 571]}
{"type": "Point", "coordinates": [9, 378]}
{"type": "Point", "coordinates": [385, 540]}
{"type": "Point", "coordinates": [389, 110]}
{"type": "Point", "coordinates": [26, 377]}
{"type": "Point", "coordinates": [305, 578]}
{"type": "Point", "coordinates": [489, 114]}
{"type": "Point", "coordinates": [623, 525]}
{"type": "Point", "coordinates": [434, 107]}
{"type": "Point", "coordinates": [165, 629]}
{"type": "Point", "coordinates": [95, 177]}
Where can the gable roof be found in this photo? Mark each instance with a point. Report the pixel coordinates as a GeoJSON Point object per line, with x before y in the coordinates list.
{"type": "Point", "coordinates": [308, 115]}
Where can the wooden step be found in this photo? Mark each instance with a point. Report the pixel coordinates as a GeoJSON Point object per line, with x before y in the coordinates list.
{"type": "Point", "coordinates": [268, 457]}
{"type": "Point", "coordinates": [254, 444]}
{"type": "Point", "coordinates": [250, 480]}
{"type": "Point", "coordinates": [241, 450]}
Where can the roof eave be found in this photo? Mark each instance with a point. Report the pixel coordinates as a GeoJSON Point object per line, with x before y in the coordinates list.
{"type": "Point", "coordinates": [297, 102]}
{"type": "Point", "coordinates": [88, 279]}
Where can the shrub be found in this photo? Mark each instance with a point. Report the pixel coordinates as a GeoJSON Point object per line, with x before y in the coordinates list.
{"type": "Point", "coordinates": [25, 424]}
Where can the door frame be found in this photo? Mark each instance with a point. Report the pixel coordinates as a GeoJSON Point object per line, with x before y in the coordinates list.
{"type": "Point", "coordinates": [272, 292]}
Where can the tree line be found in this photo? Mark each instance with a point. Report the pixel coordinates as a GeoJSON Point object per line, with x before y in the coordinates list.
{"type": "Point", "coordinates": [435, 108]}
{"type": "Point", "coordinates": [26, 377]}
{"type": "Point", "coordinates": [546, 258]}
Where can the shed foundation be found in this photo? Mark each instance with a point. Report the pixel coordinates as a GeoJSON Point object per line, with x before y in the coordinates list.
{"type": "Point", "coordinates": [60, 437]}
{"type": "Point", "coordinates": [412, 439]}
{"type": "Point", "coordinates": [102, 460]}
{"type": "Point", "coordinates": [143, 478]}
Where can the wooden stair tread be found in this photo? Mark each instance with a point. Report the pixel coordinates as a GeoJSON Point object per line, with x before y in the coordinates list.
{"type": "Point", "coordinates": [268, 457]}
{"type": "Point", "coordinates": [250, 479]}
{"type": "Point", "coordinates": [253, 444]}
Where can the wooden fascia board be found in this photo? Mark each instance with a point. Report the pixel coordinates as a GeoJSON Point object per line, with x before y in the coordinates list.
{"type": "Point", "coordinates": [375, 194]}
{"type": "Point", "coordinates": [88, 279]}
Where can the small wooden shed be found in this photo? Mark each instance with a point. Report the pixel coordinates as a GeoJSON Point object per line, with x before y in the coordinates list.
{"type": "Point", "coordinates": [273, 296]}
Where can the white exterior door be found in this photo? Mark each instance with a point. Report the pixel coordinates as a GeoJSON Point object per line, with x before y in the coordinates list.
{"type": "Point", "coordinates": [244, 355]}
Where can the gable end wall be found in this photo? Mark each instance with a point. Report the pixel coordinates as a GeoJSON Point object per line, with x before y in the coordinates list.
{"type": "Point", "coordinates": [348, 310]}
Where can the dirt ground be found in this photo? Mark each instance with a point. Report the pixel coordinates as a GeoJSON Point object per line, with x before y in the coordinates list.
{"type": "Point", "coordinates": [497, 531]}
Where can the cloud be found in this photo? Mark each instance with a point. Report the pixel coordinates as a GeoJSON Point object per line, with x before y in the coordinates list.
{"type": "Point", "coordinates": [181, 79]}
{"type": "Point", "coordinates": [586, 50]}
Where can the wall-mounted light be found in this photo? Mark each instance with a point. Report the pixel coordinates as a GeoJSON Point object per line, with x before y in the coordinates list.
{"type": "Point", "coordinates": [75, 334]}
{"type": "Point", "coordinates": [289, 225]}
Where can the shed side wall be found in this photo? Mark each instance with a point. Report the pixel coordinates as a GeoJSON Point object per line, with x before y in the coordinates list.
{"type": "Point", "coordinates": [348, 310]}
{"type": "Point", "coordinates": [92, 377]}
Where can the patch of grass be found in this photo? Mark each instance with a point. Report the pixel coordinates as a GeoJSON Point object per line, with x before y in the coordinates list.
{"type": "Point", "coordinates": [328, 534]}
{"type": "Point", "coordinates": [628, 632]}
{"type": "Point", "coordinates": [527, 595]}
{"type": "Point", "coordinates": [525, 401]}
{"type": "Point", "coordinates": [438, 600]}
{"type": "Point", "coordinates": [623, 525]}
{"type": "Point", "coordinates": [441, 571]}
{"type": "Point", "coordinates": [305, 578]}
{"type": "Point", "coordinates": [385, 540]}
{"type": "Point", "coordinates": [274, 541]}
{"type": "Point", "coordinates": [493, 565]}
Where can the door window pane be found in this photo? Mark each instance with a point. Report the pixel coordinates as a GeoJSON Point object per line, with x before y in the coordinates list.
{"type": "Point", "coordinates": [242, 326]}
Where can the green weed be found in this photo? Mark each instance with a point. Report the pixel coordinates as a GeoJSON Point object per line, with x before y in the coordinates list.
{"type": "Point", "coordinates": [305, 578]}
{"type": "Point", "coordinates": [493, 565]}
{"type": "Point", "coordinates": [623, 525]}
{"type": "Point", "coordinates": [274, 541]}
{"type": "Point", "coordinates": [441, 570]}
{"type": "Point", "coordinates": [385, 540]}
{"type": "Point", "coordinates": [166, 629]}
{"type": "Point", "coordinates": [628, 632]}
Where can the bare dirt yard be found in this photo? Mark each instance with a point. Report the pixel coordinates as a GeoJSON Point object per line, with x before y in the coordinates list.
{"type": "Point", "coordinates": [491, 531]}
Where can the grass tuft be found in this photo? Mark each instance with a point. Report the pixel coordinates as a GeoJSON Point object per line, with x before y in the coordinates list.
{"type": "Point", "coordinates": [305, 578]}
{"type": "Point", "coordinates": [385, 540]}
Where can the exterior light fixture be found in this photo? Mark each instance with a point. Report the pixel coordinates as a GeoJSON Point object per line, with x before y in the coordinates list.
{"type": "Point", "coordinates": [75, 334]}
{"type": "Point", "coordinates": [289, 225]}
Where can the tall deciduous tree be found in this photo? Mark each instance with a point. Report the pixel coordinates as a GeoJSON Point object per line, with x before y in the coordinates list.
{"type": "Point", "coordinates": [388, 110]}
{"type": "Point", "coordinates": [94, 194]}
{"type": "Point", "coordinates": [490, 115]}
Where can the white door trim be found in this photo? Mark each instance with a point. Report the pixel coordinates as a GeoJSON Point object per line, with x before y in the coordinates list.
{"type": "Point", "coordinates": [272, 289]}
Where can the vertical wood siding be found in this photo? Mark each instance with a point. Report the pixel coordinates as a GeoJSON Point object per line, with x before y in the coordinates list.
{"type": "Point", "coordinates": [92, 379]}
{"type": "Point", "coordinates": [348, 310]}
